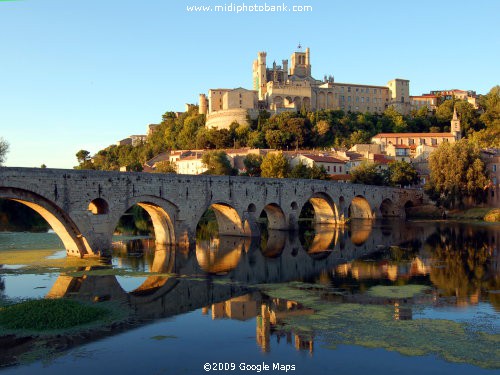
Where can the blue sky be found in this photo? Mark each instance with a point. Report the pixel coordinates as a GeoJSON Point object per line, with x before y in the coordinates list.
{"type": "Point", "coordinates": [83, 74]}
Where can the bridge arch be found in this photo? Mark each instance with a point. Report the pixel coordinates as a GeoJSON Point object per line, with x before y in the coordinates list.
{"type": "Point", "coordinates": [162, 213]}
{"type": "Point", "coordinates": [325, 210]}
{"type": "Point", "coordinates": [275, 216]}
{"type": "Point", "coordinates": [229, 221]}
{"type": "Point", "coordinates": [388, 208]}
{"type": "Point", "coordinates": [99, 206]}
{"type": "Point", "coordinates": [360, 208]}
{"type": "Point", "coordinates": [74, 242]}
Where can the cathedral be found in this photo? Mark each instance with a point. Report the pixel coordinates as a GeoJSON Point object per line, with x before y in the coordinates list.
{"type": "Point", "coordinates": [291, 87]}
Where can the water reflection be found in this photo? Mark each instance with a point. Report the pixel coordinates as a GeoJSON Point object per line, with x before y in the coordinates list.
{"type": "Point", "coordinates": [390, 265]}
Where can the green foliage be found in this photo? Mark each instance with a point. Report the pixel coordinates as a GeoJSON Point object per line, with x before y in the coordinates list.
{"type": "Point", "coordinates": [291, 130]}
{"type": "Point", "coordinates": [217, 163]}
{"type": "Point", "coordinates": [456, 172]}
{"type": "Point", "coordinates": [303, 171]}
{"type": "Point", "coordinates": [16, 216]}
{"type": "Point", "coordinates": [165, 167]}
{"type": "Point", "coordinates": [369, 174]}
{"type": "Point", "coordinates": [252, 164]}
{"type": "Point", "coordinates": [4, 148]}
{"type": "Point", "coordinates": [275, 165]}
{"type": "Point", "coordinates": [49, 314]}
{"type": "Point", "coordinates": [403, 174]}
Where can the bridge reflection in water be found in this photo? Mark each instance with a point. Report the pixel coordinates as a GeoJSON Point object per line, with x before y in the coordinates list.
{"type": "Point", "coordinates": [222, 277]}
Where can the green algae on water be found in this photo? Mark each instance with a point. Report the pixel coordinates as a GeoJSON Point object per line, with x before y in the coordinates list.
{"type": "Point", "coordinates": [397, 291]}
{"type": "Point", "coordinates": [375, 326]}
{"type": "Point", "coordinates": [49, 314]}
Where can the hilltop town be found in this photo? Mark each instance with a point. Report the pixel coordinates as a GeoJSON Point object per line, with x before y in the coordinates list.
{"type": "Point", "coordinates": [325, 125]}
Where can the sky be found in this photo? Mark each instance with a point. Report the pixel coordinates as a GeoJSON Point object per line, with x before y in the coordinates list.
{"type": "Point", "coordinates": [80, 74]}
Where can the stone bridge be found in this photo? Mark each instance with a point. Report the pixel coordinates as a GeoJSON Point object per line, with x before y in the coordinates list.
{"type": "Point", "coordinates": [84, 207]}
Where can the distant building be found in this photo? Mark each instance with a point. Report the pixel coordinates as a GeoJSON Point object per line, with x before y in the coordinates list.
{"type": "Point", "coordinates": [332, 165]}
{"type": "Point", "coordinates": [133, 140]}
{"type": "Point", "coordinates": [291, 88]}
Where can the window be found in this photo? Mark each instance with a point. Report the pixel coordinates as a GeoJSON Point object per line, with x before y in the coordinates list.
{"type": "Point", "coordinates": [494, 167]}
{"type": "Point", "coordinates": [348, 89]}
{"type": "Point", "coordinates": [334, 169]}
{"type": "Point", "coordinates": [357, 89]}
{"type": "Point", "coordinates": [340, 169]}
{"type": "Point", "coordinates": [362, 99]}
{"type": "Point", "coordinates": [328, 168]}
{"type": "Point", "coordinates": [357, 99]}
{"type": "Point", "coordinates": [348, 99]}
{"type": "Point", "coordinates": [368, 100]}
{"type": "Point", "coordinates": [362, 90]}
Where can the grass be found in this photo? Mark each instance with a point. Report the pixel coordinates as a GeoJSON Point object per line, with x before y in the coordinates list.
{"type": "Point", "coordinates": [49, 314]}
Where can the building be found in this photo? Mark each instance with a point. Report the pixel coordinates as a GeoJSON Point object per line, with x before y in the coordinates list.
{"type": "Point", "coordinates": [426, 100]}
{"type": "Point", "coordinates": [332, 165]}
{"type": "Point", "coordinates": [291, 87]}
{"type": "Point", "coordinates": [134, 140]}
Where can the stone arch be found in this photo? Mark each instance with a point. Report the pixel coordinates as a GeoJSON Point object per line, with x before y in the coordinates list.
{"type": "Point", "coordinates": [288, 102]}
{"type": "Point", "coordinates": [251, 208]}
{"type": "Point", "coordinates": [162, 213]}
{"type": "Point", "coordinates": [74, 242]}
{"type": "Point", "coordinates": [325, 211]}
{"type": "Point", "coordinates": [275, 216]}
{"type": "Point", "coordinates": [388, 209]}
{"type": "Point", "coordinates": [360, 208]}
{"type": "Point", "coordinates": [228, 220]}
{"type": "Point", "coordinates": [99, 206]}
{"type": "Point", "coordinates": [273, 244]}
{"type": "Point", "coordinates": [321, 100]}
{"type": "Point", "coordinates": [409, 204]}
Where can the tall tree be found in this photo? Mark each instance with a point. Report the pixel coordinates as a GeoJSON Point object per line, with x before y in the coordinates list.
{"type": "Point", "coordinates": [275, 165]}
{"type": "Point", "coordinates": [369, 174]}
{"type": "Point", "coordinates": [456, 172]}
{"type": "Point", "coordinates": [402, 173]}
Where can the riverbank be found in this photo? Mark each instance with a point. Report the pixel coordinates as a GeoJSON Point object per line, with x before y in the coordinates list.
{"type": "Point", "coordinates": [431, 212]}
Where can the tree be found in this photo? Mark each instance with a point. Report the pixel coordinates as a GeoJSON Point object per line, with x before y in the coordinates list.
{"type": "Point", "coordinates": [275, 165]}
{"type": "Point", "coordinates": [252, 164]}
{"type": "Point", "coordinates": [217, 163]}
{"type": "Point", "coordinates": [456, 172]}
{"type": "Point", "coordinates": [4, 148]}
{"type": "Point", "coordinates": [82, 156]}
{"type": "Point", "coordinates": [368, 174]}
{"type": "Point", "coordinates": [165, 167]}
{"type": "Point", "coordinates": [402, 173]}
{"type": "Point", "coordinates": [303, 171]}
{"type": "Point", "coordinates": [43, 166]}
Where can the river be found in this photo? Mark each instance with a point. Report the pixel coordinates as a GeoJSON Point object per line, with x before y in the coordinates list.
{"type": "Point", "coordinates": [385, 297]}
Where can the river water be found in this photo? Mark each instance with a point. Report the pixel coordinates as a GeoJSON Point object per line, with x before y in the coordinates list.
{"type": "Point", "coordinates": [384, 297]}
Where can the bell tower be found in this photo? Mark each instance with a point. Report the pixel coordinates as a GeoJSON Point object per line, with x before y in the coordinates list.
{"type": "Point", "coordinates": [455, 126]}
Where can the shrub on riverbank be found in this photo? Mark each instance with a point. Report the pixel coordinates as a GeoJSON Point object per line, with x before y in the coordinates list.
{"type": "Point", "coordinates": [49, 314]}
{"type": "Point", "coordinates": [493, 216]}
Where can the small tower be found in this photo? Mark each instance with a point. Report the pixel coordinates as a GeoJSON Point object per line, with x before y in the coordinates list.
{"type": "Point", "coordinates": [455, 126]}
{"type": "Point", "coordinates": [203, 105]}
{"type": "Point", "coordinates": [260, 75]}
